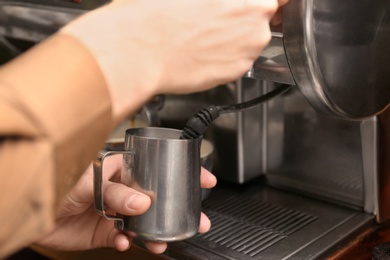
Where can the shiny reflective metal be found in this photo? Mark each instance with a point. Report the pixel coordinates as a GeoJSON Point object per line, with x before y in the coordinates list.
{"type": "Point", "coordinates": [342, 161]}
{"type": "Point", "coordinates": [98, 187]}
{"type": "Point", "coordinates": [294, 147]}
{"type": "Point", "coordinates": [149, 111]}
{"type": "Point", "coordinates": [237, 137]}
{"type": "Point", "coordinates": [26, 22]}
{"type": "Point", "coordinates": [336, 52]}
{"type": "Point", "coordinates": [338, 55]}
{"type": "Point", "coordinates": [167, 169]}
{"type": "Point", "coordinates": [375, 134]}
{"type": "Point", "coordinates": [260, 222]}
{"type": "Point", "coordinates": [272, 63]}
{"type": "Point", "coordinates": [33, 22]}
{"type": "Point", "coordinates": [332, 170]}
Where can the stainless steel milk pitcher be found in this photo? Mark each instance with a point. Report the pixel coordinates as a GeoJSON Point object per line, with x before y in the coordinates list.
{"type": "Point", "coordinates": [166, 168]}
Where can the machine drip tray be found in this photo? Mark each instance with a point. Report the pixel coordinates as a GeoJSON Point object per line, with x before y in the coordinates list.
{"type": "Point", "coordinates": [259, 222]}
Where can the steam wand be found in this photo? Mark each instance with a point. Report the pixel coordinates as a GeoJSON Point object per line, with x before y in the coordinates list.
{"type": "Point", "coordinates": [198, 124]}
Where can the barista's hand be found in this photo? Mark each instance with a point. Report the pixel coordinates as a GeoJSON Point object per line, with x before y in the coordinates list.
{"type": "Point", "coordinates": [147, 47]}
{"type": "Point", "coordinates": [79, 227]}
{"type": "Point", "coordinates": [277, 19]}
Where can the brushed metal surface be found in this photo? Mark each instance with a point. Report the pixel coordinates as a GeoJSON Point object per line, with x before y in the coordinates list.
{"type": "Point", "coordinates": [237, 137]}
{"type": "Point", "coordinates": [249, 227]}
{"type": "Point", "coordinates": [258, 222]}
{"type": "Point", "coordinates": [272, 65]}
{"type": "Point", "coordinates": [312, 153]}
{"type": "Point", "coordinates": [338, 54]}
{"type": "Point", "coordinates": [31, 21]}
{"type": "Point", "coordinates": [166, 168]}
{"type": "Point", "coordinates": [158, 163]}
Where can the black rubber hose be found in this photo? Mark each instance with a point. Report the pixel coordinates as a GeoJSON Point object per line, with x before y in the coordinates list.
{"type": "Point", "coordinates": [253, 102]}
{"type": "Point", "coordinates": [197, 125]}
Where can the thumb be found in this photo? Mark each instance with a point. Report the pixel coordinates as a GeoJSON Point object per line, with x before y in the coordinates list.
{"type": "Point", "coordinates": [125, 200]}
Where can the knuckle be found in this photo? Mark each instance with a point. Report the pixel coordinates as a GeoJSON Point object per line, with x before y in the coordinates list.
{"type": "Point", "coordinates": [263, 39]}
{"type": "Point", "coordinates": [268, 7]}
{"type": "Point", "coordinates": [243, 66]}
{"type": "Point", "coordinates": [274, 5]}
{"type": "Point", "coordinates": [266, 37]}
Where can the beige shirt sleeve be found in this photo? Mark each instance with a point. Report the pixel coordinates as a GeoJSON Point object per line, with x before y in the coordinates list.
{"type": "Point", "coordinates": [55, 114]}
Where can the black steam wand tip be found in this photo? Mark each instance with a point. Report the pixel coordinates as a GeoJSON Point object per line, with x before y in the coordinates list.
{"type": "Point", "coordinates": [198, 124]}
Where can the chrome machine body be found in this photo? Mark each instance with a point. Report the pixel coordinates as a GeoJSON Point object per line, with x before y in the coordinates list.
{"type": "Point", "coordinates": [303, 174]}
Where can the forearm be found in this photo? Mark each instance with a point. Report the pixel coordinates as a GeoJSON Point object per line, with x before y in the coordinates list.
{"type": "Point", "coordinates": [56, 114]}
{"type": "Point", "coordinates": [26, 193]}
{"type": "Point", "coordinates": [59, 94]}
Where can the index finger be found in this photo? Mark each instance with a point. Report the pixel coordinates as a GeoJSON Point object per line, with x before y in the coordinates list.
{"type": "Point", "coordinates": [207, 179]}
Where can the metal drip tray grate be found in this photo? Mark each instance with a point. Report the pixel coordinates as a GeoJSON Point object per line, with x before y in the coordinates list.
{"type": "Point", "coordinates": [259, 222]}
{"type": "Point", "coordinates": [241, 237]}
{"type": "Point", "coordinates": [250, 226]}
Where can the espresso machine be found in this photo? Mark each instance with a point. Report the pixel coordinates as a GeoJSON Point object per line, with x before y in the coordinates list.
{"type": "Point", "coordinates": [303, 174]}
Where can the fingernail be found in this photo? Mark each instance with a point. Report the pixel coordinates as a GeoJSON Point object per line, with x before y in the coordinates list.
{"type": "Point", "coordinates": [135, 201]}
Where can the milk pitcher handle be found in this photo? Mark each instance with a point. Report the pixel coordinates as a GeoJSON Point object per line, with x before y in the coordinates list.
{"type": "Point", "coordinates": [98, 186]}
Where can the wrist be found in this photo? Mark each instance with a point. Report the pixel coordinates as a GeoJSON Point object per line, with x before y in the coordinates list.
{"type": "Point", "coordinates": [131, 68]}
